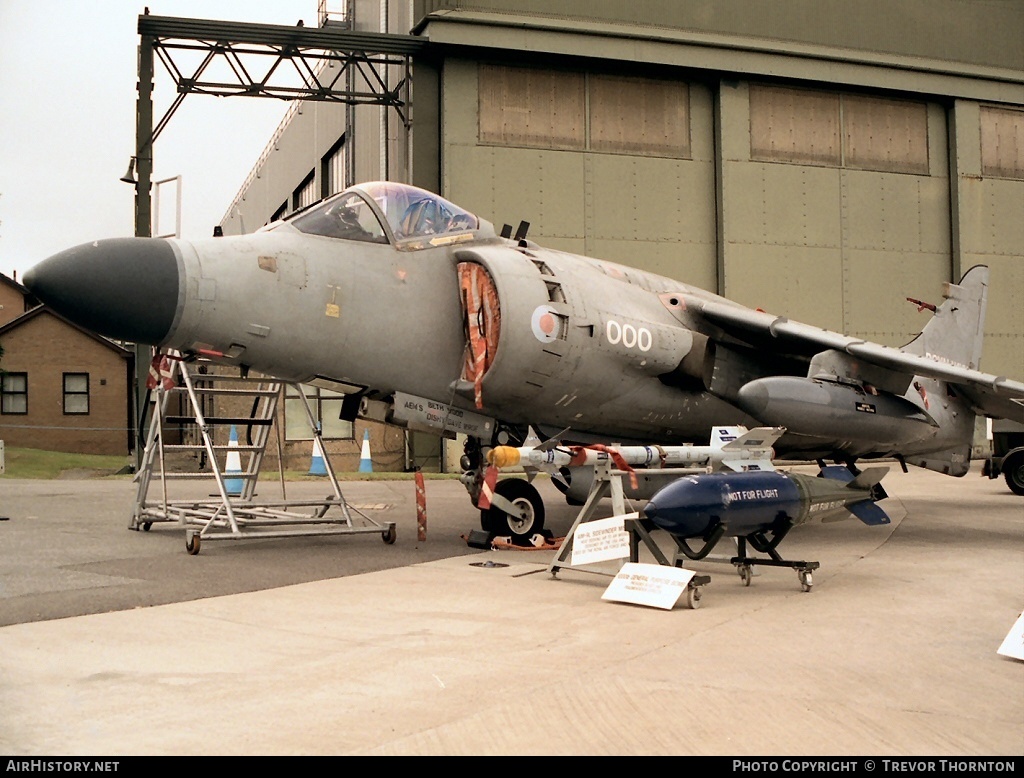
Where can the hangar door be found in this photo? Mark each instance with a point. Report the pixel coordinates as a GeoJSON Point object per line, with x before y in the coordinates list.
{"type": "Point", "coordinates": [833, 205]}
{"type": "Point", "coordinates": [618, 167]}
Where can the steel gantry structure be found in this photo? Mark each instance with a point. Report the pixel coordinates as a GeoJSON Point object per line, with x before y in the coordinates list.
{"type": "Point", "coordinates": [331, 63]}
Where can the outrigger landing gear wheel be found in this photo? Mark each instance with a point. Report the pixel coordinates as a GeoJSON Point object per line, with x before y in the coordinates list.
{"type": "Point", "coordinates": [524, 524]}
{"type": "Point", "coordinates": [1013, 472]}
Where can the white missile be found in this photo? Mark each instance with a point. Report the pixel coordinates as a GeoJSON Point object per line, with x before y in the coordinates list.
{"type": "Point", "coordinates": [732, 448]}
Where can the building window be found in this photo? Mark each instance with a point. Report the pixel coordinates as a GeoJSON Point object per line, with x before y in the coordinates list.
{"type": "Point", "coordinates": [280, 213]}
{"type": "Point", "coordinates": [550, 109]}
{"type": "Point", "coordinates": [829, 129]}
{"type": "Point", "coordinates": [794, 125]}
{"type": "Point", "coordinates": [324, 404]}
{"type": "Point", "coordinates": [531, 107]}
{"type": "Point", "coordinates": [14, 393]}
{"type": "Point", "coordinates": [639, 116]}
{"type": "Point", "coordinates": [1002, 142]}
{"type": "Point", "coordinates": [76, 393]}
{"type": "Point", "coordinates": [887, 135]}
{"type": "Point", "coordinates": [332, 174]}
{"type": "Point", "coordinates": [305, 194]}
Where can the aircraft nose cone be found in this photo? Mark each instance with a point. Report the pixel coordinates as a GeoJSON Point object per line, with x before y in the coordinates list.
{"type": "Point", "coordinates": [124, 288]}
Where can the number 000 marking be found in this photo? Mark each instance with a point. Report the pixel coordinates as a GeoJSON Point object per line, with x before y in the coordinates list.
{"type": "Point", "coordinates": [628, 335]}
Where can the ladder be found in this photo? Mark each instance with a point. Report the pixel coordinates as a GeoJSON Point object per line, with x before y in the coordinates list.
{"type": "Point", "coordinates": [232, 512]}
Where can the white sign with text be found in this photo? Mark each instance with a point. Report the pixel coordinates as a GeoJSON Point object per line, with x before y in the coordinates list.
{"type": "Point", "coordinates": [1013, 644]}
{"type": "Point", "coordinates": [657, 586]}
{"type": "Point", "coordinates": [601, 540]}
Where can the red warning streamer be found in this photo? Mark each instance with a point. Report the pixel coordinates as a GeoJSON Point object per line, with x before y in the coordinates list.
{"type": "Point", "coordinates": [160, 373]}
{"type": "Point", "coordinates": [487, 488]}
{"type": "Point", "coordinates": [619, 460]}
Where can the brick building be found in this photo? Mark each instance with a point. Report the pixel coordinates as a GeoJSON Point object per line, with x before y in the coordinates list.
{"type": "Point", "coordinates": [62, 388]}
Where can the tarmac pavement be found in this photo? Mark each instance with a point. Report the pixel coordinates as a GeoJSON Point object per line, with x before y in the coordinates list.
{"type": "Point", "coordinates": [120, 643]}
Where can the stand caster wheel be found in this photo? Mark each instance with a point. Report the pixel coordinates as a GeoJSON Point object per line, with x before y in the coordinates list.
{"type": "Point", "coordinates": [746, 574]}
{"type": "Point", "coordinates": [389, 535]}
{"type": "Point", "coordinates": [192, 543]}
{"type": "Point", "coordinates": [806, 580]}
{"type": "Point", "coordinates": [693, 596]}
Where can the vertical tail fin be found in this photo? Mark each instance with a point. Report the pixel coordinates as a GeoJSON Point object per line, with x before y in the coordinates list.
{"type": "Point", "coordinates": [956, 330]}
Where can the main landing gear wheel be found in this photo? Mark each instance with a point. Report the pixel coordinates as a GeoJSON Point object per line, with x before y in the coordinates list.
{"type": "Point", "coordinates": [530, 517]}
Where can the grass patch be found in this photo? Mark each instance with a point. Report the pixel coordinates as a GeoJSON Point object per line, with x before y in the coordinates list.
{"type": "Point", "coordinates": [295, 475]}
{"type": "Point", "coordinates": [34, 463]}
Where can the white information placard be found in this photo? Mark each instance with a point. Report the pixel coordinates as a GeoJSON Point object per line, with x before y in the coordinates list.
{"type": "Point", "coordinates": [1013, 644]}
{"type": "Point", "coordinates": [601, 540]}
{"type": "Point", "coordinates": [640, 583]}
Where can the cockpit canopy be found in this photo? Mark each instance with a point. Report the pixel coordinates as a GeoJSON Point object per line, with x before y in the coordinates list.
{"type": "Point", "coordinates": [382, 211]}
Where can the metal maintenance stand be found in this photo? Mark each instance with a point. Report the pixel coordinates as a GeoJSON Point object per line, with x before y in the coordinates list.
{"type": "Point", "coordinates": [609, 481]}
{"type": "Point", "coordinates": [232, 513]}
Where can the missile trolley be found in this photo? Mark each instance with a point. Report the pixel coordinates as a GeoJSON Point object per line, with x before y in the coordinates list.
{"type": "Point", "coordinates": [761, 508]}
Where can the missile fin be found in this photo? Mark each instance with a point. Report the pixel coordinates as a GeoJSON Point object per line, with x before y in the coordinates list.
{"type": "Point", "coordinates": [759, 437]}
{"type": "Point", "coordinates": [837, 473]}
{"type": "Point", "coordinates": [740, 465]}
{"type": "Point", "coordinates": [869, 478]}
{"type": "Point", "coordinates": [869, 512]}
{"type": "Point", "coordinates": [553, 442]}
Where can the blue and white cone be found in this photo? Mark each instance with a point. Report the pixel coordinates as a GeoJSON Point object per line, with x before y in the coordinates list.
{"type": "Point", "coordinates": [233, 486]}
{"type": "Point", "coordinates": [365, 463]}
{"type": "Point", "coordinates": [317, 466]}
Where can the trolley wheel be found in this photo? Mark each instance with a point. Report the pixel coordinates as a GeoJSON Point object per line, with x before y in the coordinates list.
{"type": "Point", "coordinates": [146, 526]}
{"type": "Point", "coordinates": [746, 574]}
{"type": "Point", "coordinates": [806, 580]}
{"type": "Point", "coordinates": [389, 535]}
{"type": "Point", "coordinates": [693, 595]}
{"type": "Point", "coordinates": [192, 543]}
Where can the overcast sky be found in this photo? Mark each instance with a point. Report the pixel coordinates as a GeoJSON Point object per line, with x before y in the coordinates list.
{"type": "Point", "coordinates": [68, 72]}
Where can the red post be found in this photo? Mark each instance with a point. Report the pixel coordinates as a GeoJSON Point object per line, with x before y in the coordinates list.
{"type": "Point", "coordinates": [421, 508]}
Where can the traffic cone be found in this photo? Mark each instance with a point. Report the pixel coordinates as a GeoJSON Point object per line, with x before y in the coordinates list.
{"type": "Point", "coordinates": [365, 463]}
{"type": "Point", "coordinates": [317, 466]}
{"type": "Point", "coordinates": [233, 486]}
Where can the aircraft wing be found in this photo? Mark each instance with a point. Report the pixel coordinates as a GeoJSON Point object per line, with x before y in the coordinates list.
{"type": "Point", "coordinates": [995, 396]}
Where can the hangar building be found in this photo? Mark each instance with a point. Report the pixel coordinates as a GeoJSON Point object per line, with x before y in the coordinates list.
{"type": "Point", "coordinates": [816, 158]}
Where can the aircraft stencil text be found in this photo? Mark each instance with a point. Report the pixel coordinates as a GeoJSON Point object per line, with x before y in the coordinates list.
{"type": "Point", "coordinates": [753, 494]}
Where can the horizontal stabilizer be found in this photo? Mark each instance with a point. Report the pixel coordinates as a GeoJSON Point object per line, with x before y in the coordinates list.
{"type": "Point", "coordinates": [869, 512]}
